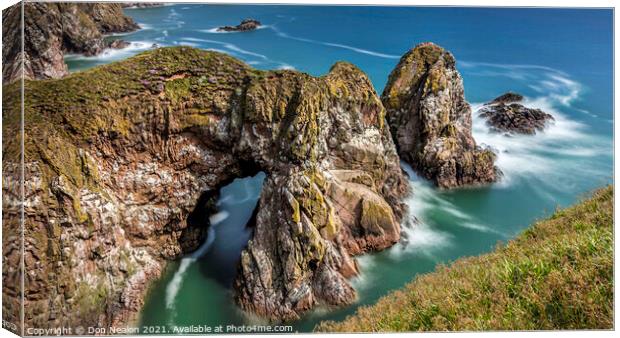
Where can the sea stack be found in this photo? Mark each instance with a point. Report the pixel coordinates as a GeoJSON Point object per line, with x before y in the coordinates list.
{"type": "Point", "coordinates": [506, 114]}
{"type": "Point", "coordinates": [430, 120]}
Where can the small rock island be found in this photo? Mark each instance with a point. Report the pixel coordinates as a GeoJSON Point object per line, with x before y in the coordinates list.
{"type": "Point", "coordinates": [244, 26]}
{"type": "Point", "coordinates": [506, 114]}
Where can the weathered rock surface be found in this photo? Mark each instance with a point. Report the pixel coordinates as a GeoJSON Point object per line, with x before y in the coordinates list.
{"type": "Point", "coordinates": [431, 121]}
{"type": "Point", "coordinates": [506, 114]}
{"type": "Point", "coordinates": [124, 162]}
{"type": "Point", "coordinates": [53, 29]}
{"type": "Point", "coordinates": [245, 25]}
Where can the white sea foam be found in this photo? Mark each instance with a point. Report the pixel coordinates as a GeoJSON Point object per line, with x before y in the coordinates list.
{"type": "Point", "coordinates": [186, 43]}
{"type": "Point", "coordinates": [286, 66]}
{"type": "Point", "coordinates": [173, 287]}
{"type": "Point", "coordinates": [145, 26]}
{"type": "Point", "coordinates": [113, 53]}
{"type": "Point", "coordinates": [536, 156]}
{"type": "Point", "coordinates": [527, 156]}
{"type": "Point", "coordinates": [218, 217]}
{"type": "Point", "coordinates": [366, 275]}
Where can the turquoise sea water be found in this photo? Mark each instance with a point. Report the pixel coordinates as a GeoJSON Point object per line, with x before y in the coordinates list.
{"type": "Point", "coordinates": [560, 59]}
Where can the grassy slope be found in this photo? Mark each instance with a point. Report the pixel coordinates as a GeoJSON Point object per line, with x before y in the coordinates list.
{"type": "Point", "coordinates": [558, 274]}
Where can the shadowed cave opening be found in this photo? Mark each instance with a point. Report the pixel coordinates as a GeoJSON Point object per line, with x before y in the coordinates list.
{"type": "Point", "coordinates": [230, 213]}
{"type": "Point", "coordinates": [203, 279]}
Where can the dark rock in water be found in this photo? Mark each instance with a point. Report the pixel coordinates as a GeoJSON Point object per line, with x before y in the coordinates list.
{"type": "Point", "coordinates": [506, 114]}
{"type": "Point", "coordinates": [118, 44]}
{"type": "Point", "coordinates": [245, 25]}
{"type": "Point", "coordinates": [431, 121]}
{"type": "Point", "coordinates": [53, 29]}
{"type": "Point", "coordinates": [508, 98]}
{"type": "Point", "coordinates": [142, 4]}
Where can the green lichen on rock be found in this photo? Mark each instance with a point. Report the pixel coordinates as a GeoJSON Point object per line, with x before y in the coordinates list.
{"type": "Point", "coordinates": [376, 216]}
{"type": "Point", "coordinates": [123, 151]}
{"type": "Point", "coordinates": [431, 121]}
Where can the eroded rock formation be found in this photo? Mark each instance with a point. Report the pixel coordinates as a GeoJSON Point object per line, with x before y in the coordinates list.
{"type": "Point", "coordinates": [123, 159]}
{"type": "Point", "coordinates": [506, 114]}
{"type": "Point", "coordinates": [244, 26]}
{"type": "Point", "coordinates": [53, 29]}
{"type": "Point", "coordinates": [431, 121]}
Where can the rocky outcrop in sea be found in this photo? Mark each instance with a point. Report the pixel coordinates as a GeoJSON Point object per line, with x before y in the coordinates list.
{"type": "Point", "coordinates": [431, 121]}
{"type": "Point", "coordinates": [123, 163]}
{"type": "Point", "coordinates": [244, 26]}
{"type": "Point", "coordinates": [506, 114]}
{"type": "Point", "coordinates": [142, 4]}
{"type": "Point", "coordinates": [53, 29]}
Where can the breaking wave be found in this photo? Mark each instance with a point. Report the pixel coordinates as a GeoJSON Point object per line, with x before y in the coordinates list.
{"type": "Point", "coordinates": [112, 54]}
{"type": "Point", "coordinates": [535, 156]}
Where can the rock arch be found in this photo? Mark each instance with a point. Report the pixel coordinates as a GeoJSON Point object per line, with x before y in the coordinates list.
{"type": "Point", "coordinates": [117, 157]}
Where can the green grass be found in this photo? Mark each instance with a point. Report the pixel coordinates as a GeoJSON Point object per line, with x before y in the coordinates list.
{"type": "Point", "coordinates": [558, 274]}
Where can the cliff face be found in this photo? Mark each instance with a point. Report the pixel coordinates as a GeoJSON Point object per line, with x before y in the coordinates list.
{"type": "Point", "coordinates": [124, 161]}
{"type": "Point", "coordinates": [431, 121]}
{"type": "Point", "coordinates": [53, 29]}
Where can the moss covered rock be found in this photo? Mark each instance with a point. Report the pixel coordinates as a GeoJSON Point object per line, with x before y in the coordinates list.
{"type": "Point", "coordinates": [120, 157]}
{"type": "Point", "coordinates": [431, 121]}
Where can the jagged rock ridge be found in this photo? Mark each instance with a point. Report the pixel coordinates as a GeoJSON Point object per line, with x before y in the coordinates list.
{"type": "Point", "coordinates": [123, 160]}
{"type": "Point", "coordinates": [430, 120]}
{"type": "Point", "coordinates": [53, 29]}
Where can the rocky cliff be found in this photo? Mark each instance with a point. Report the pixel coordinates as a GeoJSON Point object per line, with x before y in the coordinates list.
{"type": "Point", "coordinates": [53, 29]}
{"type": "Point", "coordinates": [123, 163]}
{"type": "Point", "coordinates": [431, 120]}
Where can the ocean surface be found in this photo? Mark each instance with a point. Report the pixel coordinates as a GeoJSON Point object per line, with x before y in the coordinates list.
{"type": "Point", "coordinates": [560, 59]}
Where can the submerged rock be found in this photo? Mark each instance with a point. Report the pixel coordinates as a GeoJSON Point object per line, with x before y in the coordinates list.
{"type": "Point", "coordinates": [53, 29]}
{"type": "Point", "coordinates": [506, 114]}
{"type": "Point", "coordinates": [142, 4]}
{"type": "Point", "coordinates": [431, 121]}
{"type": "Point", "coordinates": [123, 162]}
{"type": "Point", "coordinates": [245, 25]}
{"type": "Point", "coordinates": [118, 44]}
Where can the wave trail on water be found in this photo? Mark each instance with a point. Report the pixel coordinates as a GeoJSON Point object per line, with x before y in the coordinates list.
{"type": "Point", "coordinates": [173, 287]}
{"type": "Point", "coordinates": [337, 45]}
{"type": "Point", "coordinates": [227, 45]}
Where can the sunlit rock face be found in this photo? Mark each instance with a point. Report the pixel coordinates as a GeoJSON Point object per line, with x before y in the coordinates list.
{"type": "Point", "coordinates": [119, 157]}
{"type": "Point", "coordinates": [431, 121]}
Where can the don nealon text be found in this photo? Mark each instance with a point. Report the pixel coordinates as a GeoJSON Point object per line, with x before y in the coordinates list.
{"type": "Point", "coordinates": [160, 329]}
